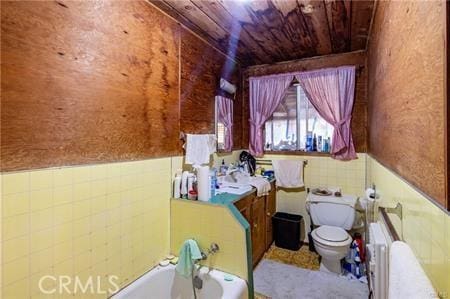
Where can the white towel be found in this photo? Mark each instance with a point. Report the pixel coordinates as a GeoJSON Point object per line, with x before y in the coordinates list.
{"type": "Point", "coordinates": [261, 184]}
{"type": "Point", "coordinates": [406, 277]}
{"type": "Point", "coordinates": [288, 173]}
{"type": "Point", "coordinates": [199, 147]}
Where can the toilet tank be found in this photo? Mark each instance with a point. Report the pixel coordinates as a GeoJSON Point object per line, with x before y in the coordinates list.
{"type": "Point", "coordinates": [339, 215]}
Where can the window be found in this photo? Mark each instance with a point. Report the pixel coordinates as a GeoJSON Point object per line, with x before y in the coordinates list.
{"type": "Point", "coordinates": [296, 125]}
{"type": "Point", "coordinates": [223, 122]}
{"type": "Point", "coordinates": [220, 133]}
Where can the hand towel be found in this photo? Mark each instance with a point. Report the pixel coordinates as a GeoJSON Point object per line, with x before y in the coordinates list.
{"type": "Point", "coordinates": [407, 279]}
{"type": "Point", "coordinates": [288, 173]}
{"type": "Point", "coordinates": [261, 184]}
{"type": "Point", "coordinates": [199, 147]}
{"type": "Point", "coordinates": [188, 254]}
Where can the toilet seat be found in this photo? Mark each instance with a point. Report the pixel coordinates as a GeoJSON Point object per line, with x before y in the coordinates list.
{"type": "Point", "coordinates": [331, 236]}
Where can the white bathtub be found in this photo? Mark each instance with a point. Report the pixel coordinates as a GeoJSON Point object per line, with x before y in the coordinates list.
{"type": "Point", "coordinates": [165, 283]}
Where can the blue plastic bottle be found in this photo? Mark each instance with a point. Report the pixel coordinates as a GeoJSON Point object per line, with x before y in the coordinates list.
{"type": "Point", "coordinates": [213, 181]}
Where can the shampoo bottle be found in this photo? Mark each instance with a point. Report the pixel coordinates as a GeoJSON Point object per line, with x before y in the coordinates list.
{"type": "Point", "coordinates": [177, 186]}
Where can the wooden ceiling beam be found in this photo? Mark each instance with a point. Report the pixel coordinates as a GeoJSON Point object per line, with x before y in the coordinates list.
{"type": "Point", "coordinates": [271, 31]}
{"type": "Point", "coordinates": [316, 21]}
{"type": "Point", "coordinates": [217, 13]}
{"type": "Point", "coordinates": [190, 11]}
{"type": "Point", "coordinates": [261, 34]}
{"type": "Point", "coordinates": [221, 45]}
{"type": "Point", "coordinates": [339, 22]}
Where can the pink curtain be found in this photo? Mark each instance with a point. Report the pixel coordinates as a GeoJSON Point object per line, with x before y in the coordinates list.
{"type": "Point", "coordinates": [331, 92]}
{"type": "Point", "coordinates": [225, 116]}
{"type": "Point", "coordinates": [266, 93]}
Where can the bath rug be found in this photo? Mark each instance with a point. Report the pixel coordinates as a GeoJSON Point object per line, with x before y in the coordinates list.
{"type": "Point", "coordinates": [281, 281]}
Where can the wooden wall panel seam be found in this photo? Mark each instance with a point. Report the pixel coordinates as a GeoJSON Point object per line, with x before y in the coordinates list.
{"type": "Point", "coordinates": [57, 112]}
{"type": "Point", "coordinates": [191, 31]}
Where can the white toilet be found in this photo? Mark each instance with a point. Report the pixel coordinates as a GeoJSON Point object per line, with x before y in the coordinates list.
{"type": "Point", "coordinates": [333, 215]}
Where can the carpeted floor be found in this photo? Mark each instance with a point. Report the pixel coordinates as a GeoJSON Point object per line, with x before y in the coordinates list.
{"type": "Point", "coordinates": [302, 258]}
{"type": "Point", "coordinates": [280, 281]}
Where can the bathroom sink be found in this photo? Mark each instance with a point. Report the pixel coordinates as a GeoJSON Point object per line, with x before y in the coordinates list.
{"type": "Point", "coordinates": [234, 183]}
{"type": "Point", "coordinates": [235, 178]}
{"type": "Point", "coordinates": [233, 189]}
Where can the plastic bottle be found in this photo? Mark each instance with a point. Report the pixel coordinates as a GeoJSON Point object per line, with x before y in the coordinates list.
{"type": "Point", "coordinates": [314, 145]}
{"type": "Point", "coordinates": [309, 141]}
{"type": "Point", "coordinates": [213, 182]}
{"type": "Point", "coordinates": [223, 168]}
{"type": "Point", "coordinates": [190, 182]}
{"type": "Point", "coordinates": [319, 144]}
{"type": "Point", "coordinates": [177, 186]}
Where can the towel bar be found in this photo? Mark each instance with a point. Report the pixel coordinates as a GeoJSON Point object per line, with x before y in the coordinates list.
{"type": "Point", "coordinates": [398, 210]}
{"type": "Point", "coordinates": [269, 162]}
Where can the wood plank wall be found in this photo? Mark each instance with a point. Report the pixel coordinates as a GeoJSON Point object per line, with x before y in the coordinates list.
{"type": "Point", "coordinates": [200, 73]}
{"type": "Point", "coordinates": [91, 82]}
{"type": "Point", "coordinates": [359, 120]}
{"type": "Point", "coordinates": [406, 62]}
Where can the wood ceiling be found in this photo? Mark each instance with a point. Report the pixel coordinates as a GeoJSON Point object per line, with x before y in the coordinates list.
{"type": "Point", "coordinates": [269, 31]}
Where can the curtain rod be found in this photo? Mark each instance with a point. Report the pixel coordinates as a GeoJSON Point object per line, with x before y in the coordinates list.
{"type": "Point", "coordinates": [358, 70]}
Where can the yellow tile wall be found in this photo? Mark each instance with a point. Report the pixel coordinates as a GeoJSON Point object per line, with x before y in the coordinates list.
{"type": "Point", "coordinates": [321, 171]}
{"type": "Point", "coordinates": [425, 227]}
{"type": "Point", "coordinates": [206, 224]}
{"type": "Point", "coordinates": [109, 219]}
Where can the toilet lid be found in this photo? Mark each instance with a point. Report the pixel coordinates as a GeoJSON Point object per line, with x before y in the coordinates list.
{"type": "Point", "coordinates": [332, 233]}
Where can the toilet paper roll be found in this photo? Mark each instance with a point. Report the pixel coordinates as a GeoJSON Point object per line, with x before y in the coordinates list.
{"type": "Point", "coordinates": [369, 194]}
{"type": "Point", "coordinates": [203, 185]}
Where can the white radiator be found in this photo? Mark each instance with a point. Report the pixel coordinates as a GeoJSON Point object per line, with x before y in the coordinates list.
{"type": "Point", "coordinates": [378, 257]}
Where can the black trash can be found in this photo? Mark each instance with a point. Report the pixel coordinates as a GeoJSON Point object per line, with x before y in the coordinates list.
{"type": "Point", "coordinates": [287, 230]}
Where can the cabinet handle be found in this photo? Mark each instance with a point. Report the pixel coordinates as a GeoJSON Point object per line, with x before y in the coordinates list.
{"type": "Point", "coordinates": [268, 214]}
{"type": "Point", "coordinates": [255, 225]}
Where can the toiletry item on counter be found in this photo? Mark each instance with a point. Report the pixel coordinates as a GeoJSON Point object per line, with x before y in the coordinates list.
{"type": "Point", "coordinates": [212, 182]}
{"type": "Point", "coordinates": [223, 168]}
{"type": "Point", "coordinates": [309, 141]}
{"type": "Point", "coordinates": [314, 145]}
{"type": "Point", "coordinates": [192, 195]}
{"type": "Point", "coordinates": [190, 182]}
{"type": "Point", "coordinates": [326, 145]}
{"type": "Point", "coordinates": [203, 184]}
{"type": "Point", "coordinates": [177, 186]}
{"type": "Point", "coordinates": [184, 179]}
{"type": "Point", "coordinates": [319, 144]}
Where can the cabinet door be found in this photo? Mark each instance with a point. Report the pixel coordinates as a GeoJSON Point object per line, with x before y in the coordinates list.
{"type": "Point", "coordinates": [244, 206]}
{"type": "Point", "coordinates": [258, 229]}
{"type": "Point", "coordinates": [246, 212]}
{"type": "Point", "coordinates": [270, 211]}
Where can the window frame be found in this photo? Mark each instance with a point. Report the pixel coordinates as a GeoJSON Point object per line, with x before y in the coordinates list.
{"type": "Point", "coordinates": [298, 132]}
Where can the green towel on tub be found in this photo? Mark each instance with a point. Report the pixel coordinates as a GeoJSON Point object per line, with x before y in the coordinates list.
{"type": "Point", "coordinates": [188, 254]}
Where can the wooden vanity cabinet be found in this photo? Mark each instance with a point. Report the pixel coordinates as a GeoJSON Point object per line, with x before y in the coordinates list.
{"type": "Point", "coordinates": [244, 206]}
{"type": "Point", "coordinates": [258, 211]}
{"type": "Point", "coordinates": [258, 229]}
{"type": "Point", "coordinates": [271, 208]}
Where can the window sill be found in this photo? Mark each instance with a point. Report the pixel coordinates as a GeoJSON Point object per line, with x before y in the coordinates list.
{"type": "Point", "coordinates": [297, 153]}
